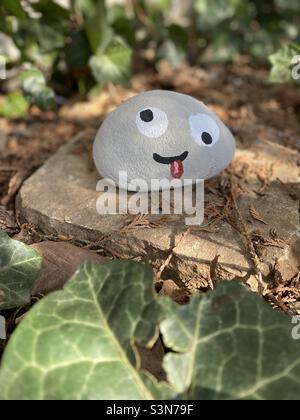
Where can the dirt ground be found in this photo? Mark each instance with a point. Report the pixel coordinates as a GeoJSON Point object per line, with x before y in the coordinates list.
{"type": "Point", "coordinates": [240, 94]}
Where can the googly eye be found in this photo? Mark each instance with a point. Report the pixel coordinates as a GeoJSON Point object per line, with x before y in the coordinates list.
{"type": "Point", "coordinates": [204, 129]}
{"type": "Point", "coordinates": [152, 122]}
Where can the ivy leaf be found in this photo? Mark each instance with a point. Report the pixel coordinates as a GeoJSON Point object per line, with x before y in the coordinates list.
{"type": "Point", "coordinates": [52, 10]}
{"type": "Point", "coordinates": [213, 12]}
{"type": "Point", "coordinates": [79, 343]}
{"type": "Point", "coordinates": [230, 344]}
{"type": "Point", "coordinates": [19, 267]}
{"type": "Point", "coordinates": [174, 47]}
{"type": "Point", "coordinates": [14, 7]}
{"type": "Point", "coordinates": [13, 105]}
{"type": "Point", "coordinates": [96, 26]}
{"type": "Point", "coordinates": [36, 91]}
{"type": "Point", "coordinates": [78, 51]}
{"type": "Point", "coordinates": [113, 63]}
{"type": "Point", "coordinates": [8, 50]}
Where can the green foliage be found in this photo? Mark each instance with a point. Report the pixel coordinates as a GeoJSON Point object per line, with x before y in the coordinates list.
{"type": "Point", "coordinates": [54, 11]}
{"type": "Point", "coordinates": [36, 91]}
{"type": "Point", "coordinates": [19, 267]}
{"type": "Point", "coordinates": [91, 42]}
{"type": "Point", "coordinates": [13, 7]}
{"type": "Point", "coordinates": [13, 105]}
{"type": "Point", "coordinates": [79, 343]}
{"type": "Point", "coordinates": [96, 26]}
{"type": "Point", "coordinates": [213, 12]}
{"type": "Point", "coordinates": [230, 344]}
{"type": "Point", "coordinates": [285, 64]}
{"type": "Point", "coordinates": [251, 26]}
{"type": "Point", "coordinates": [112, 63]}
{"type": "Point", "coordinates": [78, 44]}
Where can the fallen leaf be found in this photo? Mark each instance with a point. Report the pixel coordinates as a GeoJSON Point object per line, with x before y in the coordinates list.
{"type": "Point", "coordinates": [60, 261]}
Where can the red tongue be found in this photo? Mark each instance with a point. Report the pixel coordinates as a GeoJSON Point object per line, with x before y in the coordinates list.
{"type": "Point", "coordinates": [176, 169]}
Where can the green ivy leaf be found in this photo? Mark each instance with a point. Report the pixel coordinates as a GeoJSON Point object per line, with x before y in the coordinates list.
{"type": "Point", "coordinates": [13, 7]}
{"type": "Point", "coordinates": [8, 49]}
{"type": "Point", "coordinates": [230, 344]}
{"type": "Point", "coordinates": [49, 36]}
{"type": "Point", "coordinates": [36, 91]}
{"type": "Point", "coordinates": [175, 46]}
{"type": "Point", "coordinates": [79, 343]}
{"type": "Point", "coordinates": [51, 10]}
{"type": "Point", "coordinates": [212, 12]}
{"type": "Point", "coordinates": [96, 26]}
{"type": "Point", "coordinates": [13, 105]}
{"type": "Point", "coordinates": [78, 51]}
{"type": "Point", "coordinates": [19, 267]}
{"type": "Point", "coordinates": [113, 63]}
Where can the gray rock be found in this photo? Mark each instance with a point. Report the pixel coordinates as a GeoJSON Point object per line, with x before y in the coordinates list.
{"type": "Point", "coordinates": [162, 134]}
{"type": "Point", "coordinates": [60, 198]}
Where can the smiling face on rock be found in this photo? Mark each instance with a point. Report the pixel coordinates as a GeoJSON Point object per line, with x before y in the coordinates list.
{"type": "Point", "coordinates": [162, 135]}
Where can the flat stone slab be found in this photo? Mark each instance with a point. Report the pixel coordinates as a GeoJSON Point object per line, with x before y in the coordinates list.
{"type": "Point", "coordinates": [60, 199]}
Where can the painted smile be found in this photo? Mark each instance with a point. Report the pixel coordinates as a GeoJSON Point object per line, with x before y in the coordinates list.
{"type": "Point", "coordinates": [168, 160]}
{"type": "Point", "coordinates": [175, 162]}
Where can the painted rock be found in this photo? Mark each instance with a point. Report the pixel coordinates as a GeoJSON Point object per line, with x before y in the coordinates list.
{"type": "Point", "coordinates": [162, 135]}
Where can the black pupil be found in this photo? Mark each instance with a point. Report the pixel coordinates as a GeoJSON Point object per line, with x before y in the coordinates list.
{"type": "Point", "coordinates": [146, 115]}
{"type": "Point", "coordinates": [206, 138]}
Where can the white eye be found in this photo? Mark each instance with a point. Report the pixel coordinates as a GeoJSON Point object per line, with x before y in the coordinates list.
{"type": "Point", "coordinates": [204, 129]}
{"type": "Point", "coordinates": [152, 122]}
